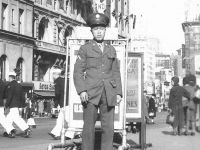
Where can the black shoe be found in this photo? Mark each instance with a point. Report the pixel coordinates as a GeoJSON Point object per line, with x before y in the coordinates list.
{"type": "Point", "coordinates": [5, 134]}
{"type": "Point", "coordinates": [12, 133]}
{"type": "Point", "coordinates": [52, 135]}
{"type": "Point", "coordinates": [27, 132]}
{"type": "Point", "coordinates": [57, 137]}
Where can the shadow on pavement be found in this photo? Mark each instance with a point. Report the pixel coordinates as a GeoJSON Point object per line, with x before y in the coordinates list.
{"type": "Point", "coordinates": [167, 132]}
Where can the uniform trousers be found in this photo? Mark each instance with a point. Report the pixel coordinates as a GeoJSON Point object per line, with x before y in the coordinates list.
{"type": "Point", "coordinates": [107, 124]}
{"type": "Point", "coordinates": [3, 121]}
{"type": "Point", "coordinates": [57, 129]}
{"type": "Point", "coordinates": [14, 116]}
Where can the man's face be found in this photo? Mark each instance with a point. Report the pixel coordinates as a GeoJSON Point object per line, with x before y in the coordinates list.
{"type": "Point", "coordinates": [98, 32]}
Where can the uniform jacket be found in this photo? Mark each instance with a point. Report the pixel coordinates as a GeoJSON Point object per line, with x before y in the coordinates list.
{"type": "Point", "coordinates": [2, 90]}
{"type": "Point", "coordinates": [59, 91]}
{"type": "Point", "coordinates": [176, 94]}
{"type": "Point", "coordinates": [101, 71]}
{"type": "Point", "coordinates": [14, 94]}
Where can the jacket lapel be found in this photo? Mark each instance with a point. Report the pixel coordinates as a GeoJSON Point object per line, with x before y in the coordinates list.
{"type": "Point", "coordinates": [106, 49]}
{"type": "Point", "coordinates": [95, 47]}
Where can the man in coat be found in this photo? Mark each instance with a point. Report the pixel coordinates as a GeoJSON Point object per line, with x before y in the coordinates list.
{"type": "Point", "coordinates": [98, 82]}
{"type": "Point", "coordinates": [59, 82]}
{"type": "Point", "coordinates": [13, 102]}
{"type": "Point", "coordinates": [3, 122]}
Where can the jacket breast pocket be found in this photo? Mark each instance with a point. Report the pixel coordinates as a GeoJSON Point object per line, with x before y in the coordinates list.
{"type": "Point", "coordinates": [111, 58]}
{"type": "Point", "coordinates": [92, 60]}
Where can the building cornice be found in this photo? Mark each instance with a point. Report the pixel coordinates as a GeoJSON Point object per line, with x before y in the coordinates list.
{"type": "Point", "coordinates": [50, 12]}
{"type": "Point", "coordinates": [187, 24]}
{"type": "Point", "coordinates": [12, 36]}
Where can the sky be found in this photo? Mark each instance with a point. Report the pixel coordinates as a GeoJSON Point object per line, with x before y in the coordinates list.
{"type": "Point", "coordinates": [164, 20]}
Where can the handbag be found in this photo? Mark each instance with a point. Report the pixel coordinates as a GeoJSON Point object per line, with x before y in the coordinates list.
{"type": "Point", "coordinates": [170, 119]}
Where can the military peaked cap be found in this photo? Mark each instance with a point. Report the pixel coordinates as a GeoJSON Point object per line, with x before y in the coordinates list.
{"type": "Point", "coordinates": [97, 19]}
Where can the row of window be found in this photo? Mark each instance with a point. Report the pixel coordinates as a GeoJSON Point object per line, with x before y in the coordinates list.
{"type": "Point", "coordinates": [5, 17]}
{"type": "Point", "coordinates": [4, 68]}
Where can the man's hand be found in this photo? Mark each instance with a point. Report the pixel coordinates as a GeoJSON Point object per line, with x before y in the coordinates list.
{"type": "Point", "coordinates": [84, 97]}
{"type": "Point", "coordinates": [119, 99]}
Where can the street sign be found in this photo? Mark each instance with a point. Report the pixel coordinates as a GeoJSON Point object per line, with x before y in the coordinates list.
{"type": "Point", "coordinates": [101, 6]}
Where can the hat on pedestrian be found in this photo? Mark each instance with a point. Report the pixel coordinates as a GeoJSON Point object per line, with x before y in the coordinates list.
{"type": "Point", "coordinates": [56, 70]}
{"type": "Point", "coordinates": [12, 74]}
{"type": "Point", "coordinates": [97, 19]}
{"type": "Point", "coordinates": [153, 94]}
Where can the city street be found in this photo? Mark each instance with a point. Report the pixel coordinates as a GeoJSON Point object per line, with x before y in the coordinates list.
{"type": "Point", "coordinates": [158, 134]}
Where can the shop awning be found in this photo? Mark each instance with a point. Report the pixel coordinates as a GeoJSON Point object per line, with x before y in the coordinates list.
{"type": "Point", "coordinates": [45, 93]}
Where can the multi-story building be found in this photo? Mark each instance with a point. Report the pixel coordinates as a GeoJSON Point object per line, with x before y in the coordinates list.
{"type": "Point", "coordinates": [16, 38]}
{"type": "Point", "coordinates": [191, 28]}
{"type": "Point", "coordinates": [33, 35]}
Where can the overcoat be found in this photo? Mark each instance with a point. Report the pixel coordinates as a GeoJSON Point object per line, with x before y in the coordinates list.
{"type": "Point", "coordinates": [14, 94]}
{"type": "Point", "coordinates": [95, 70]}
{"type": "Point", "coordinates": [2, 90]}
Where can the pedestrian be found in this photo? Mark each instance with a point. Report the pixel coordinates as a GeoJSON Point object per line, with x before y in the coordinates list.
{"type": "Point", "coordinates": [146, 114]}
{"type": "Point", "coordinates": [3, 121]}
{"type": "Point", "coordinates": [175, 104]}
{"type": "Point", "coordinates": [59, 82]}
{"type": "Point", "coordinates": [191, 108]}
{"type": "Point", "coordinates": [41, 108]}
{"type": "Point", "coordinates": [152, 108]}
{"type": "Point", "coordinates": [98, 83]}
{"type": "Point", "coordinates": [13, 102]}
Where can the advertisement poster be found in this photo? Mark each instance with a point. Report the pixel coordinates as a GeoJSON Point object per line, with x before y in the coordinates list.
{"type": "Point", "coordinates": [134, 82]}
{"type": "Point", "coordinates": [75, 106]}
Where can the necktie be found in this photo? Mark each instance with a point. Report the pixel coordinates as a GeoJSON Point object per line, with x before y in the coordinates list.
{"type": "Point", "coordinates": [101, 47]}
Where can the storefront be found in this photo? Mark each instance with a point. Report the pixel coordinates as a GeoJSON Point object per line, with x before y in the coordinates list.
{"type": "Point", "coordinates": [44, 93]}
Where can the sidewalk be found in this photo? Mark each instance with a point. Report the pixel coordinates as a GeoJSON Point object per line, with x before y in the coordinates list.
{"type": "Point", "coordinates": [160, 136]}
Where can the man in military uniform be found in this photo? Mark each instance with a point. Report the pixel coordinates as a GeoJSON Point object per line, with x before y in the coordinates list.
{"type": "Point", "coordinates": [13, 102]}
{"type": "Point", "coordinates": [98, 82]}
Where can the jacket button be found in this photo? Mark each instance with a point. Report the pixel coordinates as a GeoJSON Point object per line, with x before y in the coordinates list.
{"type": "Point", "coordinates": [102, 72]}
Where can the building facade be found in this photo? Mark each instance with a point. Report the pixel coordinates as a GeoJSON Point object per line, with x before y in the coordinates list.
{"type": "Point", "coordinates": [33, 36]}
{"type": "Point", "coordinates": [16, 38]}
{"type": "Point", "coordinates": [191, 28]}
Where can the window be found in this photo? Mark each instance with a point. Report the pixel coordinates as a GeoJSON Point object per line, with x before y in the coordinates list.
{"type": "Point", "coordinates": [3, 67]}
{"type": "Point", "coordinates": [19, 70]}
{"type": "Point", "coordinates": [21, 12]}
{"type": "Point", "coordinates": [13, 16]}
{"type": "Point", "coordinates": [3, 16]}
{"type": "Point", "coordinates": [49, 2]}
